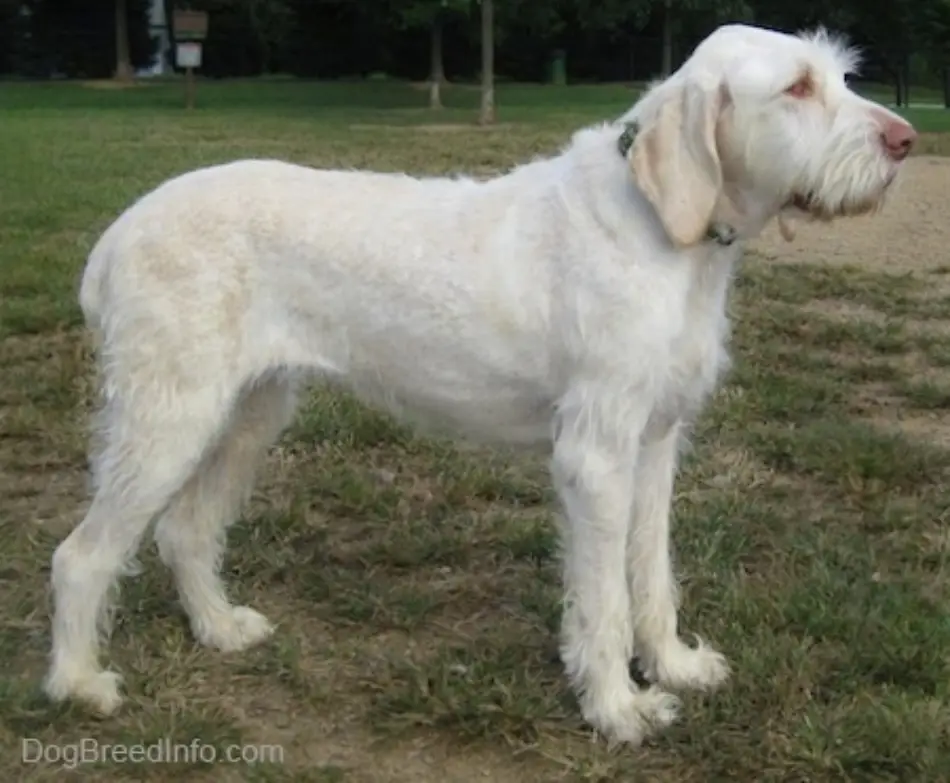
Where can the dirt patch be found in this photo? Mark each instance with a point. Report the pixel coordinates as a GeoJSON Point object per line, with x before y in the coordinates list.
{"type": "Point", "coordinates": [927, 427]}
{"type": "Point", "coordinates": [911, 232]}
{"type": "Point", "coordinates": [839, 309]}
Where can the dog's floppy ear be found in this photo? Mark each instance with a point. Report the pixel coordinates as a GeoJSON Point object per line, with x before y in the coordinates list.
{"type": "Point", "coordinates": [676, 163]}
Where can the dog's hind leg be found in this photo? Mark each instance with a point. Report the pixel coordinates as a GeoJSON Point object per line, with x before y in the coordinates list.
{"type": "Point", "coordinates": [155, 434]}
{"type": "Point", "coordinates": [190, 534]}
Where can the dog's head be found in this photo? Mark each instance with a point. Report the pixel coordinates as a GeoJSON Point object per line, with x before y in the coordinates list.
{"type": "Point", "coordinates": [758, 124]}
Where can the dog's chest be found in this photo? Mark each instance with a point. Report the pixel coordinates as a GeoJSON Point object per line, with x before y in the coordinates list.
{"type": "Point", "coordinates": [697, 353]}
{"type": "Point", "coordinates": [697, 357]}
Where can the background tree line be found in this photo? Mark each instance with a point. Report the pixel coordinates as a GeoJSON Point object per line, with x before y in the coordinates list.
{"type": "Point", "coordinates": [905, 41]}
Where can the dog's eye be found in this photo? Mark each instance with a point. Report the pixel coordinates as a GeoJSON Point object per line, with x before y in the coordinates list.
{"type": "Point", "coordinates": [803, 88]}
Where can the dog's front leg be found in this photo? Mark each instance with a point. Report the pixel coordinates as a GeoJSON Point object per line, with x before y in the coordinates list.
{"type": "Point", "coordinates": [665, 658]}
{"type": "Point", "coordinates": [591, 470]}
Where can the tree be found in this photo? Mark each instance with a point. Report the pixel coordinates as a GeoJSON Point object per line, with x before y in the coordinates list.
{"type": "Point", "coordinates": [933, 28]}
{"type": "Point", "coordinates": [888, 27]}
{"type": "Point", "coordinates": [268, 22]}
{"type": "Point", "coordinates": [886, 31]}
{"type": "Point", "coordinates": [705, 12]}
{"type": "Point", "coordinates": [616, 20]}
{"type": "Point", "coordinates": [666, 64]}
{"type": "Point", "coordinates": [525, 29]}
{"type": "Point", "coordinates": [123, 58]}
{"type": "Point", "coordinates": [436, 62]}
{"type": "Point", "coordinates": [431, 14]}
{"type": "Point", "coordinates": [629, 17]}
{"type": "Point", "coordinates": [487, 112]}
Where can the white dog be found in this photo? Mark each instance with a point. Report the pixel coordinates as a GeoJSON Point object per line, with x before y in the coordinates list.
{"type": "Point", "coordinates": [577, 301]}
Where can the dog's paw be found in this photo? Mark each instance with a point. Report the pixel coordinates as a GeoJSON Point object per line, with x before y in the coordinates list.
{"type": "Point", "coordinates": [96, 688]}
{"type": "Point", "coordinates": [681, 667]}
{"type": "Point", "coordinates": [239, 628]}
{"type": "Point", "coordinates": [629, 715]}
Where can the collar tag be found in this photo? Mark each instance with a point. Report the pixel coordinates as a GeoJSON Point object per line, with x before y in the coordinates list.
{"type": "Point", "coordinates": [721, 233]}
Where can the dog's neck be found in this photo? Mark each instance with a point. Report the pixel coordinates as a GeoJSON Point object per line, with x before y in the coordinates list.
{"type": "Point", "coordinates": [748, 213]}
{"type": "Point", "coordinates": [738, 215]}
{"type": "Point", "coordinates": [719, 231]}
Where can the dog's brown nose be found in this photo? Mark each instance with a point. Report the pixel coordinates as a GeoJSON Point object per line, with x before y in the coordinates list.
{"type": "Point", "coordinates": [898, 137]}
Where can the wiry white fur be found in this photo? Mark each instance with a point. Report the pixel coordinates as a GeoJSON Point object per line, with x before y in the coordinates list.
{"type": "Point", "coordinates": [547, 305]}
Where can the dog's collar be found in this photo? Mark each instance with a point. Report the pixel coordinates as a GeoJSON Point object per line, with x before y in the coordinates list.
{"type": "Point", "coordinates": [720, 233]}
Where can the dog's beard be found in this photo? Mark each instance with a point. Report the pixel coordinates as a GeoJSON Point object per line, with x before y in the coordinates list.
{"type": "Point", "coordinates": [813, 206]}
{"type": "Point", "coordinates": [810, 206]}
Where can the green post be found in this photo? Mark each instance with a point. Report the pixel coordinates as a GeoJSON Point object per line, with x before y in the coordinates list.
{"type": "Point", "coordinates": [559, 67]}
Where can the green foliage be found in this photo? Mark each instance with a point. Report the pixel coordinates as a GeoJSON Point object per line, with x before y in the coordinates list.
{"type": "Point", "coordinates": [603, 39]}
{"type": "Point", "coordinates": [613, 15]}
{"type": "Point", "coordinates": [423, 13]}
{"type": "Point", "coordinates": [39, 38]}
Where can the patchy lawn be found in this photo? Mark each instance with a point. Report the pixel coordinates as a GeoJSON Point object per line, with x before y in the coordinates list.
{"type": "Point", "coordinates": [414, 581]}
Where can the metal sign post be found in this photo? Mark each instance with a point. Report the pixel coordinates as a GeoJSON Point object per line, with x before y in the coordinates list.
{"type": "Point", "coordinates": [190, 28]}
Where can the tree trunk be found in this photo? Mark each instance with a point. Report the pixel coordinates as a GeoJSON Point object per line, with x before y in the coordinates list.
{"type": "Point", "coordinates": [666, 67]}
{"type": "Point", "coordinates": [436, 65]}
{"type": "Point", "coordinates": [169, 54]}
{"type": "Point", "coordinates": [487, 114]}
{"type": "Point", "coordinates": [946, 86]}
{"type": "Point", "coordinates": [901, 79]}
{"type": "Point", "coordinates": [123, 62]}
{"type": "Point", "coordinates": [259, 32]}
{"type": "Point", "coordinates": [905, 70]}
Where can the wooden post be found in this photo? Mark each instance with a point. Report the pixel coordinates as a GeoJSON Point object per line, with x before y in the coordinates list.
{"type": "Point", "coordinates": [189, 87]}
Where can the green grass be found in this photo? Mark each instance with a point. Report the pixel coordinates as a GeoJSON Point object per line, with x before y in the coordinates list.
{"type": "Point", "coordinates": [348, 101]}
{"type": "Point", "coordinates": [415, 581]}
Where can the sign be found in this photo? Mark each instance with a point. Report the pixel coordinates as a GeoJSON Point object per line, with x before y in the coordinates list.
{"type": "Point", "coordinates": [189, 25]}
{"type": "Point", "coordinates": [188, 54]}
